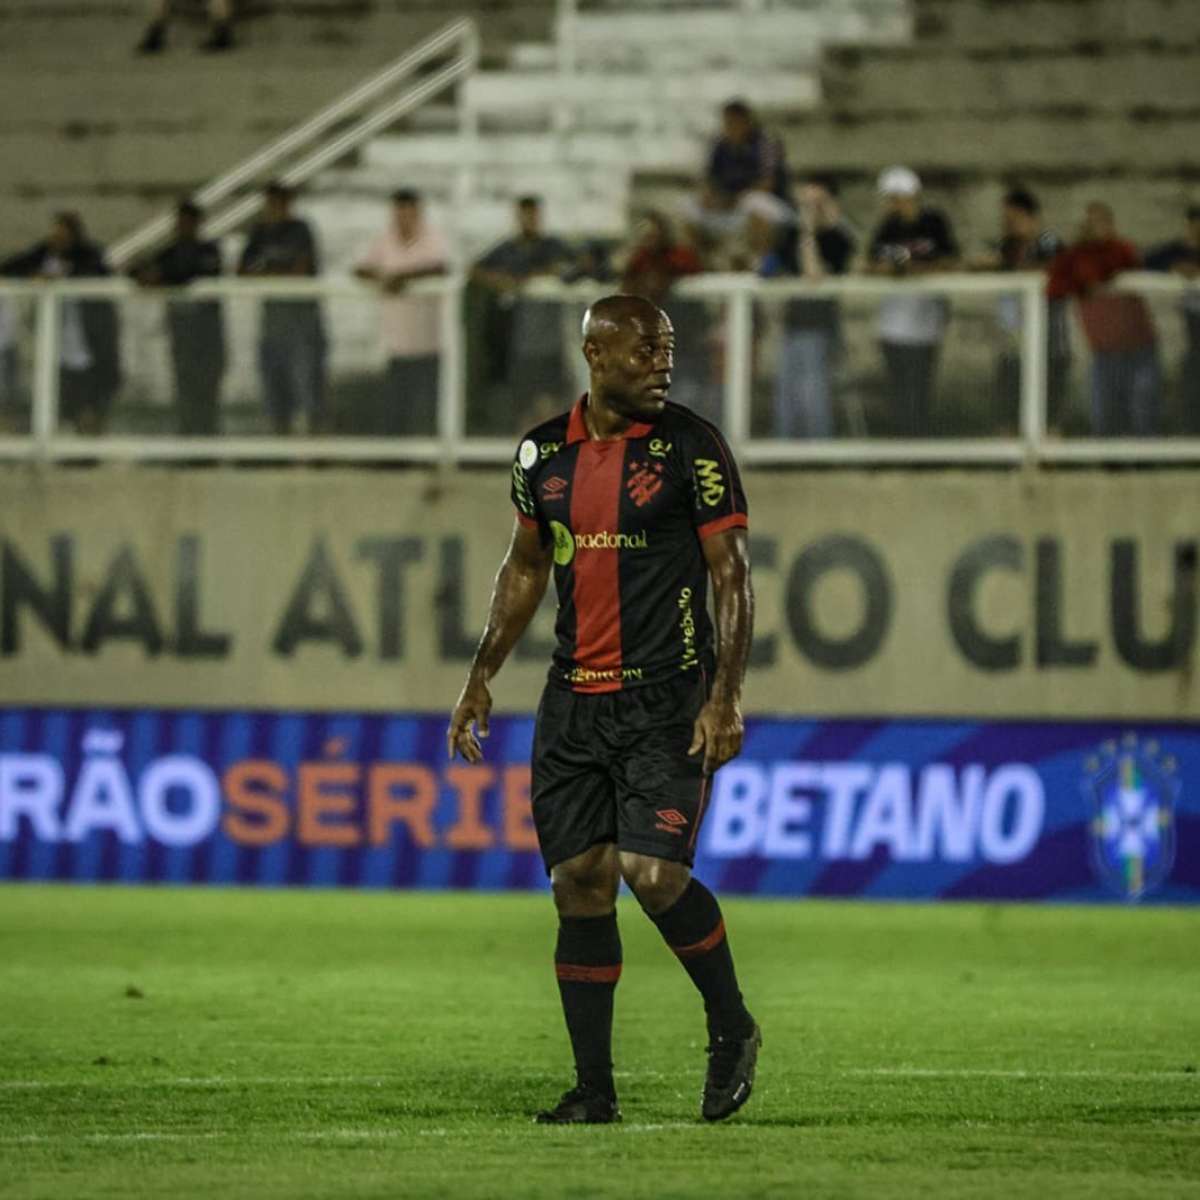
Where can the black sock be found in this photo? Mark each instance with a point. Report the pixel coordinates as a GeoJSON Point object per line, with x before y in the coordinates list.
{"type": "Point", "coordinates": [694, 929]}
{"type": "Point", "coordinates": [587, 961]}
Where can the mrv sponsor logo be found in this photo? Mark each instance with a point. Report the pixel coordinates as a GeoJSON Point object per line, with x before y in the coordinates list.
{"type": "Point", "coordinates": [940, 812]}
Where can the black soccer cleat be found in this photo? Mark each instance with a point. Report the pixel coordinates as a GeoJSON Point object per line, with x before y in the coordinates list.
{"type": "Point", "coordinates": [730, 1079]}
{"type": "Point", "coordinates": [581, 1106]}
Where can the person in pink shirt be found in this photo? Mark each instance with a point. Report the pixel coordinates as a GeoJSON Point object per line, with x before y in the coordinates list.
{"type": "Point", "coordinates": [409, 248]}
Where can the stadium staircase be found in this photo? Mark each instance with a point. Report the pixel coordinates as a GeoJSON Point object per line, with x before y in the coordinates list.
{"type": "Point", "coordinates": [621, 89]}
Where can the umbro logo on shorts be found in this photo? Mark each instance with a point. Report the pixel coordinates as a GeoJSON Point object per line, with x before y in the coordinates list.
{"type": "Point", "coordinates": [670, 820]}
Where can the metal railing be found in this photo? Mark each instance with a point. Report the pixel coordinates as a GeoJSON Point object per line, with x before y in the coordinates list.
{"type": "Point", "coordinates": [370, 108]}
{"type": "Point", "coordinates": [739, 308]}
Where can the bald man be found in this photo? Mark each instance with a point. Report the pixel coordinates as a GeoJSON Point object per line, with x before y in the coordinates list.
{"type": "Point", "coordinates": [634, 503]}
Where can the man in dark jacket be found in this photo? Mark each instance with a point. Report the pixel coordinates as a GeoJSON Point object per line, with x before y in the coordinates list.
{"type": "Point", "coordinates": [89, 353]}
{"type": "Point", "coordinates": [1182, 257]}
{"type": "Point", "coordinates": [195, 327]}
{"type": "Point", "coordinates": [292, 345]}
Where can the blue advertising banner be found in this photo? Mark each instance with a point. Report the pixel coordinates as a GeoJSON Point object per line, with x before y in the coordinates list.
{"type": "Point", "coordinates": [920, 809]}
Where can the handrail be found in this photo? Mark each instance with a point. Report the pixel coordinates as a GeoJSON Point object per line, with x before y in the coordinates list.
{"type": "Point", "coordinates": [462, 32]}
{"type": "Point", "coordinates": [711, 284]}
{"type": "Point", "coordinates": [737, 292]}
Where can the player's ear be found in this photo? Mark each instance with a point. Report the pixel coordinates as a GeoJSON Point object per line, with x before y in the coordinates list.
{"type": "Point", "coordinates": [591, 351]}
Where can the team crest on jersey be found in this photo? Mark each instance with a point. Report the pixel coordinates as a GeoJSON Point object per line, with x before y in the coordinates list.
{"type": "Point", "coordinates": [1133, 791]}
{"type": "Point", "coordinates": [645, 481]}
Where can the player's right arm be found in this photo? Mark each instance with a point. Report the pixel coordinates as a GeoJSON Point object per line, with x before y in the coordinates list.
{"type": "Point", "coordinates": [520, 585]}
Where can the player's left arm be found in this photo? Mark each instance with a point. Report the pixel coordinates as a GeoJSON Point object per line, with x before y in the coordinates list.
{"type": "Point", "coordinates": [719, 728]}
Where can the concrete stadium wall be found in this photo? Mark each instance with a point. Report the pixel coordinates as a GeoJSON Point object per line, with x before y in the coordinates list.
{"type": "Point", "coordinates": [1078, 99]}
{"type": "Point", "coordinates": [879, 594]}
{"type": "Point", "coordinates": [86, 124]}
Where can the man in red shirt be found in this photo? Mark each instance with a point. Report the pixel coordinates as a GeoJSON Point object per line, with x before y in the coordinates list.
{"type": "Point", "coordinates": [1126, 376]}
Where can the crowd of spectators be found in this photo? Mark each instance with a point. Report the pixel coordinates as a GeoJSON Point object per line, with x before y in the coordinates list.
{"type": "Point", "coordinates": [748, 214]}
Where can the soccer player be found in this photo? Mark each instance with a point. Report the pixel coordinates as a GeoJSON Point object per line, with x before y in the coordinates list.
{"type": "Point", "coordinates": [634, 502]}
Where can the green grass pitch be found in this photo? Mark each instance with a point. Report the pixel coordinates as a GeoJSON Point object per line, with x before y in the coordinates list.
{"type": "Point", "coordinates": [179, 1043]}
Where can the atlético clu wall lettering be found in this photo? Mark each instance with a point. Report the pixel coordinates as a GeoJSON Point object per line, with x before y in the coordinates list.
{"type": "Point", "coordinates": [1072, 596]}
{"type": "Point", "coordinates": [316, 607]}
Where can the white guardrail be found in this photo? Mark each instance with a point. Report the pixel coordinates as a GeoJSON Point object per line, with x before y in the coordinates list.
{"type": "Point", "coordinates": [737, 294]}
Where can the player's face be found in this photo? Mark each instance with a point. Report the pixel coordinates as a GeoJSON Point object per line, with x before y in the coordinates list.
{"type": "Point", "coordinates": [636, 371]}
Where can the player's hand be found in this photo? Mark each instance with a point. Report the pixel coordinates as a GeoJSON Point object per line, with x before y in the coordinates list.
{"type": "Point", "coordinates": [718, 732]}
{"type": "Point", "coordinates": [469, 721]}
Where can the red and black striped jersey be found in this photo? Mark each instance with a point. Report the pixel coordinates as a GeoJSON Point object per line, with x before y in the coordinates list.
{"type": "Point", "coordinates": [626, 518]}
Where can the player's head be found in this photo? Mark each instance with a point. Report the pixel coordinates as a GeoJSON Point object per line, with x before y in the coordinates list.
{"type": "Point", "coordinates": [629, 345]}
{"type": "Point", "coordinates": [187, 219]}
{"type": "Point", "coordinates": [406, 211]}
{"type": "Point", "coordinates": [529, 216]}
{"type": "Point", "coordinates": [1020, 213]}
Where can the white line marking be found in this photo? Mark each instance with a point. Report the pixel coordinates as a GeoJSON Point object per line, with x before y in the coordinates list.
{"type": "Point", "coordinates": [212, 1081]}
{"type": "Point", "coordinates": [986, 1073]}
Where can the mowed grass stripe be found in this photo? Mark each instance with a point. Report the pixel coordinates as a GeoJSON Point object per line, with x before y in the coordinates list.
{"type": "Point", "coordinates": [320, 1044]}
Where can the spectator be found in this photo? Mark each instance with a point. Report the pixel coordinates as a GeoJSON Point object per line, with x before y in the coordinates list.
{"type": "Point", "coordinates": [1182, 257]}
{"type": "Point", "coordinates": [220, 34]}
{"type": "Point", "coordinates": [409, 248]}
{"type": "Point", "coordinates": [592, 261]}
{"type": "Point", "coordinates": [291, 347]}
{"type": "Point", "coordinates": [656, 262]}
{"type": "Point", "coordinates": [1126, 377]}
{"type": "Point", "coordinates": [745, 182]}
{"type": "Point", "coordinates": [89, 354]}
{"type": "Point", "coordinates": [195, 327]}
{"type": "Point", "coordinates": [822, 244]}
{"type": "Point", "coordinates": [1025, 246]}
{"type": "Point", "coordinates": [528, 342]}
{"type": "Point", "coordinates": [911, 240]}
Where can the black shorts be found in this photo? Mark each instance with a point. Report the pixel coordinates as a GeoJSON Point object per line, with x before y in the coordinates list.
{"type": "Point", "coordinates": [614, 767]}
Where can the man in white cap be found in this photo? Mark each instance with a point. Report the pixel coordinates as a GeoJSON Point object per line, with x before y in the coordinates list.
{"type": "Point", "coordinates": [911, 240]}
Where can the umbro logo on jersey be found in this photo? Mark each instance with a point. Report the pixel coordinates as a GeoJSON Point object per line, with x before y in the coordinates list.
{"type": "Point", "coordinates": [554, 487]}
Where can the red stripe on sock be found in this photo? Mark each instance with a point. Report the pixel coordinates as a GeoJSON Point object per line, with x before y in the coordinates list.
{"type": "Point", "coordinates": [704, 945]}
{"type": "Point", "coordinates": [595, 508]}
{"type": "Point", "coordinates": [570, 973]}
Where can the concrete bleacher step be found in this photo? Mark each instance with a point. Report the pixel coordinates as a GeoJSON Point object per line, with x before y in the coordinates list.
{"type": "Point", "coordinates": [648, 101]}
{"type": "Point", "coordinates": [920, 80]}
{"type": "Point", "coordinates": [50, 31]}
{"type": "Point", "coordinates": [766, 36]}
{"type": "Point", "coordinates": [994, 28]}
{"type": "Point", "coordinates": [523, 151]}
{"type": "Point", "coordinates": [973, 143]}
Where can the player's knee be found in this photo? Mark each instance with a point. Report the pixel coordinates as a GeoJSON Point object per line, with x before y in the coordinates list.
{"type": "Point", "coordinates": [656, 882]}
{"type": "Point", "coordinates": [585, 885]}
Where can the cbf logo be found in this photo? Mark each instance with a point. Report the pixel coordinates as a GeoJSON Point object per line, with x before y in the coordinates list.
{"type": "Point", "coordinates": [1133, 793]}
